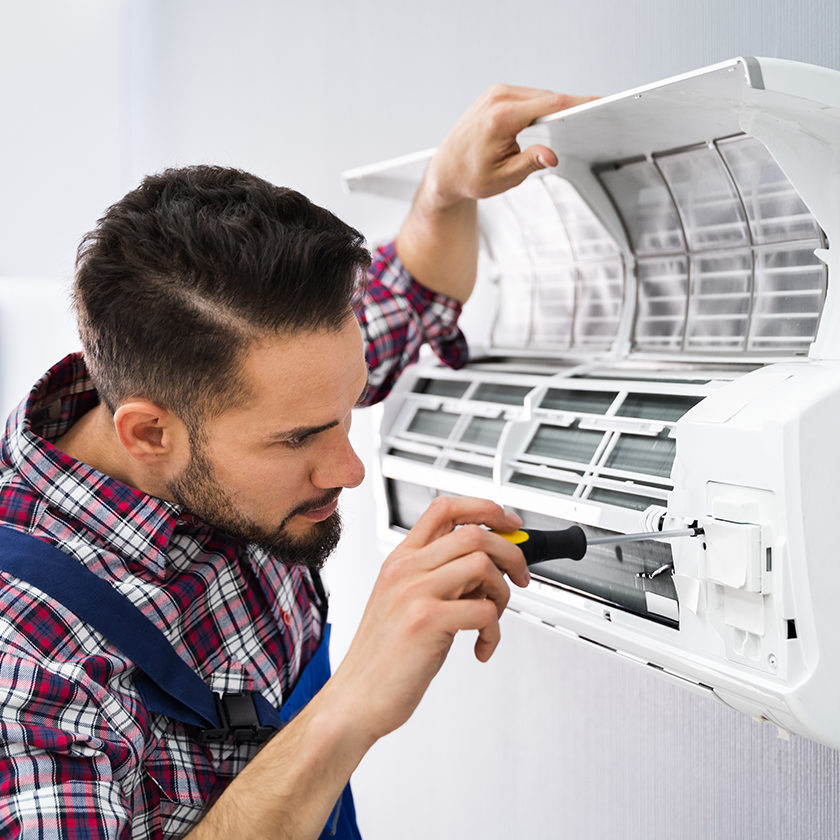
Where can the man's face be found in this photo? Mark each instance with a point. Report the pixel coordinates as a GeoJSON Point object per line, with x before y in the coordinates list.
{"type": "Point", "coordinates": [270, 471]}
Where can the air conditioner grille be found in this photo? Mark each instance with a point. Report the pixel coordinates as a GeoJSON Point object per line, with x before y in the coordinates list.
{"type": "Point", "coordinates": [602, 443]}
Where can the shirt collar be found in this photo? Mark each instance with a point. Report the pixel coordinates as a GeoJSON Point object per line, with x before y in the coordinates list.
{"type": "Point", "coordinates": [134, 524]}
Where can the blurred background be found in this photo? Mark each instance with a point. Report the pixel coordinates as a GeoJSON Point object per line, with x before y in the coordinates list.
{"type": "Point", "coordinates": [551, 738]}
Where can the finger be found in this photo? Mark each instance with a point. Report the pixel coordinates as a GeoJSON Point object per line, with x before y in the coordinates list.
{"type": "Point", "coordinates": [500, 92]}
{"type": "Point", "coordinates": [519, 166]}
{"type": "Point", "coordinates": [445, 512]}
{"type": "Point", "coordinates": [522, 113]}
{"type": "Point", "coordinates": [471, 538]}
{"type": "Point", "coordinates": [476, 615]}
{"type": "Point", "coordinates": [472, 576]}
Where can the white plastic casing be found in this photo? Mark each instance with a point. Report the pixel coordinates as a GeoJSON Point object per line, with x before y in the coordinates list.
{"type": "Point", "coordinates": [749, 609]}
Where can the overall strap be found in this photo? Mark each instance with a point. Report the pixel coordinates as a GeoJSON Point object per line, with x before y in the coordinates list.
{"type": "Point", "coordinates": [321, 591]}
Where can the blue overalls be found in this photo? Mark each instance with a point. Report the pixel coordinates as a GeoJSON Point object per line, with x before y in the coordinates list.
{"type": "Point", "coordinates": [166, 683]}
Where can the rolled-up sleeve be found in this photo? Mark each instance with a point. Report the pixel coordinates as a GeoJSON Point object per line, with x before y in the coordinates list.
{"type": "Point", "coordinates": [397, 316]}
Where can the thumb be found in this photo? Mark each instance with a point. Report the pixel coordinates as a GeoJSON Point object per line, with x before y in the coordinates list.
{"type": "Point", "coordinates": [520, 166]}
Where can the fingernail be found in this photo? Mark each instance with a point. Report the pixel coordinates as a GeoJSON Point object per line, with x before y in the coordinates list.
{"type": "Point", "coordinates": [541, 162]}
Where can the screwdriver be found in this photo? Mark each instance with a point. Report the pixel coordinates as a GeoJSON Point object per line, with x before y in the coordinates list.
{"type": "Point", "coordinates": [572, 543]}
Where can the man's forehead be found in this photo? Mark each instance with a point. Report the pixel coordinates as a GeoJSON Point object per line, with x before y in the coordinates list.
{"type": "Point", "coordinates": [317, 367]}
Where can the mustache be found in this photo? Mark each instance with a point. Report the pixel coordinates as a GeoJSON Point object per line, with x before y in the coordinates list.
{"type": "Point", "coordinates": [327, 499]}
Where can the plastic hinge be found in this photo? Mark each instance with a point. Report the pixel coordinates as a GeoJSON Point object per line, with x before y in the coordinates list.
{"type": "Point", "coordinates": [238, 719]}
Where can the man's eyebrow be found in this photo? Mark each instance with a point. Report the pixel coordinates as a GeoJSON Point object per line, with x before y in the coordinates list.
{"type": "Point", "coordinates": [302, 431]}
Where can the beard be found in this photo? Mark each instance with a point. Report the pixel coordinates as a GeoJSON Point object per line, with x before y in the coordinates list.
{"type": "Point", "coordinates": [198, 490]}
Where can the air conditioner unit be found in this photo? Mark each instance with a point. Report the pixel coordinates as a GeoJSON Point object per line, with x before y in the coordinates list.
{"type": "Point", "coordinates": [656, 343]}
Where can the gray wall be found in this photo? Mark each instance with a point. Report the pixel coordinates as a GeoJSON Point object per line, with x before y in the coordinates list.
{"type": "Point", "coordinates": [551, 738]}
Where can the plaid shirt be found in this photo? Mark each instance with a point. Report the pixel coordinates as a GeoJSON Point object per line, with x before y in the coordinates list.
{"type": "Point", "coordinates": [80, 755]}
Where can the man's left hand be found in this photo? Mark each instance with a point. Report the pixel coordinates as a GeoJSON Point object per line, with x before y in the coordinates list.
{"type": "Point", "coordinates": [480, 157]}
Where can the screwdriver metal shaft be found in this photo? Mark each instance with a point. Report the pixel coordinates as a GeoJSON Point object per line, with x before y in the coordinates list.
{"type": "Point", "coordinates": [647, 535]}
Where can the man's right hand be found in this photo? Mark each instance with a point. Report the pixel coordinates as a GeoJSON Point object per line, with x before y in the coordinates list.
{"type": "Point", "coordinates": [441, 579]}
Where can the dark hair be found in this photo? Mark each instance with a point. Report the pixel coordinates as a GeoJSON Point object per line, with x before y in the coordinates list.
{"type": "Point", "coordinates": [184, 273]}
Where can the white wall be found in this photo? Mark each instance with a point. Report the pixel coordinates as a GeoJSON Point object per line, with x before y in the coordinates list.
{"type": "Point", "coordinates": [64, 146]}
{"type": "Point", "coordinates": [550, 739]}
{"type": "Point", "coordinates": [64, 133]}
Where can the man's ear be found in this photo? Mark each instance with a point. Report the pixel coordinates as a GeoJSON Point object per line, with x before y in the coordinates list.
{"type": "Point", "coordinates": [150, 433]}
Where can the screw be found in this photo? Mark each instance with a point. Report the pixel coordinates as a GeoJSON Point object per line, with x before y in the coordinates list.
{"type": "Point", "coordinates": [771, 661]}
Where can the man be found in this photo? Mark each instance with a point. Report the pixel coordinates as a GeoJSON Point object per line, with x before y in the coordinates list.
{"type": "Point", "coordinates": [192, 459]}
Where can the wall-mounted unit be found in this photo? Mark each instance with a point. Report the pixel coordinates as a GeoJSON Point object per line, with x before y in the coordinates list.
{"type": "Point", "coordinates": [656, 342]}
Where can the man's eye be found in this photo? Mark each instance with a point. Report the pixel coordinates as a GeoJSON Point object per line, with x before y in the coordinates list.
{"type": "Point", "coordinates": [297, 442]}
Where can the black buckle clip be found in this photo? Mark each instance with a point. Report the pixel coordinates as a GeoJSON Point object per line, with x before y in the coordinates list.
{"type": "Point", "coordinates": [238, 718]}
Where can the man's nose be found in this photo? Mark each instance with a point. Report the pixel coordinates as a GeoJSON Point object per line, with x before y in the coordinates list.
{"type": "Point", "coordinates": [339, 466]}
